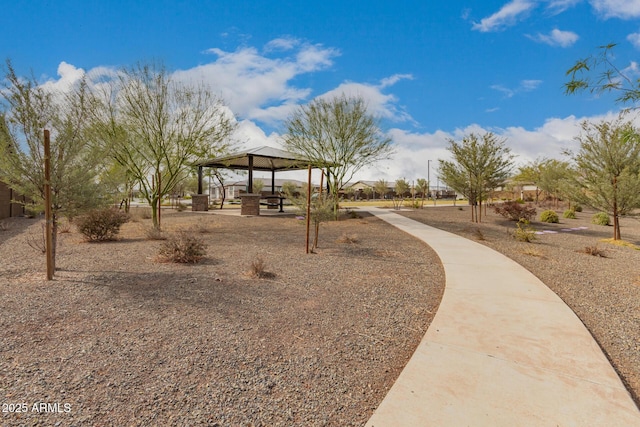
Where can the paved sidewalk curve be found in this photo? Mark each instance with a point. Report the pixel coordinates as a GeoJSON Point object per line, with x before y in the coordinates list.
{"type": "Point", "coordinates": [502, 350]}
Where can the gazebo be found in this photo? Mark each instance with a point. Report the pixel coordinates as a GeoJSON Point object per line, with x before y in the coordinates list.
{"type": "Point", "coordinates": [256, 159]}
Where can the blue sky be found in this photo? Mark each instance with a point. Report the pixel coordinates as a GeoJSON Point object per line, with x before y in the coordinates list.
{"type": "Point", "coordinates": [432, 70]}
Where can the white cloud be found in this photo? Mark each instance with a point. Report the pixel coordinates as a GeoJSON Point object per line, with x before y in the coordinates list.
{"type": "Point", "coordinates": [634, 39]}
{"type": "Point", "coordinates": [529, 85]}
{"type": "Point", "coordinates": [258, 86]}
{"type": "Point", "coordinates": [508, 93]}
{"type": "Point", "coordinates": [507, 16]}
{"type": "Point", "coordinates": [380, 104]}
{"type": "Point", "coordinates": [68, 75]}
{"type": "Point", "coordinates": [557, 38]}
{"type": "Point", "coordinates": [559, 6]}
{"type": "Point", "coordinates": [413, 150]}
{"type": "Point", "coordinates": [623, 9]}
{"type": "Point", "coordinates": [524, 86]}
{"type": "Point", "coordinates": [281, 44]}
{"type": "Point", "coordinates": [390, 81]}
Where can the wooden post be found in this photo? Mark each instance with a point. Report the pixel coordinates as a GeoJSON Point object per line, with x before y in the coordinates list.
{"type": "Point", "coordinates": [317, 225]}
{"type": "Point", "coordinates": [159, 199]}
{"type": "Point", "coordinates": [47, 205]}
{"type": "Point", "coordinates": [308, 206]}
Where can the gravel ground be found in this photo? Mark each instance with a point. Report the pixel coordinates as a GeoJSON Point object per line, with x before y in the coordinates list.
{"type": "Point", "coordinates": [603, 291]}
{"type": "Point", "coordinates": [121, 338]}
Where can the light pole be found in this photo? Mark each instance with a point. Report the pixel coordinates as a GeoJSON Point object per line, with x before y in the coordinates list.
{"type": "Point", "coordinates": [429, 177]}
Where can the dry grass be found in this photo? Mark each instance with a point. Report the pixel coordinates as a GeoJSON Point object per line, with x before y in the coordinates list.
{"type": "Point", "coordinates": [152, 233]}
{"type": "Point", "coordinates": [622, 243]}
{"type": "Point", "coordinates": [594, 251]}
{"type": "Point", "coordinates": [184, 248]}
{"type": "Point", "coordinates": [531, 251]}
{"type": "Point", "coordinates": [259, 269]}
{"type": "Point", "coordinates": [478, 234]}
{"type": "Point", "coordinates": [347, 238]}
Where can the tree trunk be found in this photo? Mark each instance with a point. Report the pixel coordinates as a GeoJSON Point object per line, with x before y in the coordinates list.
{"type": "Point", "coordinates": [154, 212]}
{"type": "Point", "coordinates": [54, 239]}
{"type": "Point", "coordinates": [616, 221]}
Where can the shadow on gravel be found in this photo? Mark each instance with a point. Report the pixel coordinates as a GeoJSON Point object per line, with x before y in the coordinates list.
{"type": "Point", "coordinates": [12, 227]}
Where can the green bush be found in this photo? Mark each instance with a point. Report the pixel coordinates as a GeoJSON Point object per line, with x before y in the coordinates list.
{"type": "Point", "coordinates": [549, 216]}
{"type": "Point", "coordinates": [601, 218]}
{"type": "Point", "coordinates": [569, 214]}
{"type": "Point", "coordinates": [515, 211]}
{"type": "Point", "coordinates": [524, 234]}
{"type": "Point", "coordinates": [183, 247]}
{"type": "Point", "coordinates": [100, 225]}
{"type": "Point", "coordinates": [578, 208]}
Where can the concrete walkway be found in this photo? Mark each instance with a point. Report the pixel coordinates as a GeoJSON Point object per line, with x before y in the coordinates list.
{"type": "Point", "coordinates": [502, 350]}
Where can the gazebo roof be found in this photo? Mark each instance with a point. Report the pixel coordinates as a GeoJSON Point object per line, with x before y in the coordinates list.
{"type": "Point", "coordinates": [264, 159]}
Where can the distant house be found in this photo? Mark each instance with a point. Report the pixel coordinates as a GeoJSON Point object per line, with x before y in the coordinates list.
{"type": "Point", "coordinates": [366, 190]}
{"type": "Point", "coordinates": [8, 206]}
{"type": "Point", "coordinates": [234, 189]}
{"type": "Point", "coordinates": [512, 190]}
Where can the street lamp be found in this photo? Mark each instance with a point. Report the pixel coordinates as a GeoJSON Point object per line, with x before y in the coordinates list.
{"type": "Point", "coordinates": [429, 177]}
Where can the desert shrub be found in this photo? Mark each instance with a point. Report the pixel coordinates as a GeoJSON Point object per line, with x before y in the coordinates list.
{"type": "Point", "coordinates": [578, 208]}
{"type": "Point", "coordinates": [154, 233]}
{"type": "Point", "coordinates": [524, 233]}
{"type": "Point", "coordinates": [258, 269]}
{"type": "Point", "coordinates": [532, 251]}
{"type": "Point", "coordinates": [515, 211]}
{"type": "Point", "coordinates": [100, 225]}
{"type": "Point", "coordinates": [352, 214]}
{"type": "Point", "coordinates": [347, 238]}
{"type": "Point", "coordinates": [601, 218]}
{"type": "Point", "coordinates": [478, 234]}
{"type": "Point", "coordinates": [64, 227]}
{"type": "Point", "coordinates": [183, 247]}
{"type": "Point", "coordinates": [38, 241]}
{"type": "Point", "coordinates": [569, 214]}
{"type": "Point", "coordinates": [201, 228]}
{"type": "Point", "coordinates": [594, 251]}
{"type": "Point", "coordinates": [139, 213]}
{"type": "Point", "coordinates": [549, 216]}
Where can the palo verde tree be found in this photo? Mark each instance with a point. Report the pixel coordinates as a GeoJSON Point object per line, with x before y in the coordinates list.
{"type": "Point", "coordinates": [554, 175]}
{"type": "Point", "coordinates": [155, 127]}
{"type": "Point", "coordinates": [381, 187]}
{"type": "Point", "coordinates": [401, 188]}
{"type": "Point", "coordinates": [339, 134]}
{"type": "Point", "coordinates": [598, 74]}
{"type": "Point", "coordinates": [608, 165]}
{"type": "Point", "coordinates": [422, 187]}
{"type": "Point", "coordinates": [548, 175]}
{"type": "Point", "coordinates": [28, 109]}
{"type": "Point", "coordinates": [479, 164]}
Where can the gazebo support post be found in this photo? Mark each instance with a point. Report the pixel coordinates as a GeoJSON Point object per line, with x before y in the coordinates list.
{"type": "Point", "coordinates": [200, 201]}
{"type": "Point", "coordinates": [250, 184]}
{"type": "Point", "coordinates": [273, 181]}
